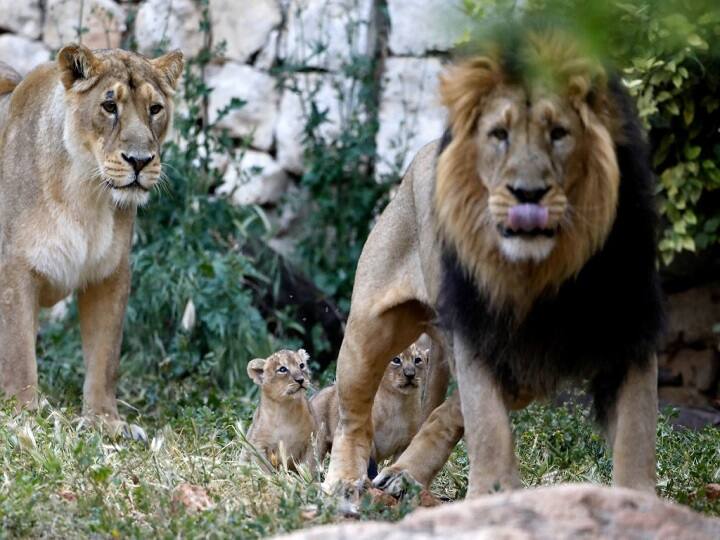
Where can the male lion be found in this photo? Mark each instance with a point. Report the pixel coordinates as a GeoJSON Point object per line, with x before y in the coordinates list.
{"type": "Point", "coordinates": [527, 235]}
{"type": "Point", "coordinates": [80, 146]}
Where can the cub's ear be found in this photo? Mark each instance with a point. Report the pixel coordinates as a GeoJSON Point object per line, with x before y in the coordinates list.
{"type": "Point", "coordinates": [255, 369]}
{"type": "Point", "coordinates": [76, 62]}
{"type": "Point", "coordinates": [170, 65]}
{"type": "Point", "coordinates": [304, 356]}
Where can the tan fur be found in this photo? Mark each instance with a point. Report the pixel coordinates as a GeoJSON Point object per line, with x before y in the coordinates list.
{"type": "Point", "coordinates": [65, 220]}
{"type": "Point", "coordinates": [397, 409]}
{"type": "Point", "coordinates": [461, 201]}
{"type": "Point", "coordinates": [283, 422]}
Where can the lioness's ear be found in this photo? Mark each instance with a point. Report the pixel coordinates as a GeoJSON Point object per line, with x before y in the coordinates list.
{"type": "Point", "coordinates": [171, 66]}
{"type": "Point", "coordinates": [255, 369]}
{"type": "Point", "coordinates": [76, 62]}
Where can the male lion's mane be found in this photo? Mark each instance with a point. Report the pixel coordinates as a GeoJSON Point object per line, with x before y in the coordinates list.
{"type": "Point", "coordinates": [596, 322]}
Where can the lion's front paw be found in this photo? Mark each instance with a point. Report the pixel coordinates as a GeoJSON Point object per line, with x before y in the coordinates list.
{"type": "Point", "coordinates": [396, 482]}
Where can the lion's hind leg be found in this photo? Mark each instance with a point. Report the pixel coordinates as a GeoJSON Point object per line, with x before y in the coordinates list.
{"type": "Point", "coordinates": [371, 339]}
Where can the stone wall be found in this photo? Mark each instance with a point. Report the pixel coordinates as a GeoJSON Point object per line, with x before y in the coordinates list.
{"type": "Point", "coordinates": [409, 37]}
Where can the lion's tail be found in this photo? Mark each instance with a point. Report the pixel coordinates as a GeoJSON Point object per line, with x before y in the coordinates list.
{"type": "Point", "coordinates": [9, 79]}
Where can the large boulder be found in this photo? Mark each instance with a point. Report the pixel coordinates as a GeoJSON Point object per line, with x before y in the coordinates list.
{"type": "Point", "coordinates": [169, 24]}
{"type": "Point", "coordinates": [410, 111]}
{"type": "Point", "coordinates": [21, 53]}
{"type": "Point", "coordinates": [245, 27]}
{"type": "Point", "coordinates": [326, 34]}
{"type": "Point", "coordinates": [421, 26]}
{"type": "Point", "coordinates": [102, 22]}
{"type": "Point", "coordinates": [256, 119]}
{"type": "Point", "coordinates": [22, 17]}
{"type": "Point", "coordinates": [559, 512]}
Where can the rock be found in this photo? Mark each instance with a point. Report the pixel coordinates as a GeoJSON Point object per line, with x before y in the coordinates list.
{"type": "Point", "coordinates": [257, 179]}
{"type": "Point", "coordinates": [305, 89]}
{"type": "Point", "coordinates": [22, 17]}
{"type": "Point", "coordinates": [257, 117]}
{"type": "Point", "coordinates": [692, 315]}
{"type": "Point", "coordinates": [267, 56]}
{"type": "Point", "coordinates": [420, 26]}
{"type": "Point", "coordinates": [410, 112]}
{"type": "Point", "coordinates": [244, 26]}
{"type": "Point", "coordinates": [326, 34]}
{"type": "Point", "coordinates": [191, 498]}
{"type": "Point", "coordinates": [698, 368]}
{"type": "Point", "coordinates": [558, 512]}
{"type": "Point", "coordinates": [167, 25]}
{"type": "Point", "coordinates": [103, 19]}
{"type": "Point", "coordinates": [21, 53]}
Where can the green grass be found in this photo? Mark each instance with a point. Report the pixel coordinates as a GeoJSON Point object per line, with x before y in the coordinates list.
{"type": "Point", "coordinates": [63, 480]}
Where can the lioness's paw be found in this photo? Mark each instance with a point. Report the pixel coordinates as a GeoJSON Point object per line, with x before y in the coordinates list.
{"type": "Point", "coordinates": [396, 482]}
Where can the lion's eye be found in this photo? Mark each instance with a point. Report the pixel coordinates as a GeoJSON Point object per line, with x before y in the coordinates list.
{"type": "Point", "coordinates": [397, 361]}
{"type": "Point", "coordinates": [418, 361]}
{"type": "Point", "coordinates": [557, 133]}
{"type": "Point", "coordinates": [109, 107]}
{"type": "Point", "coordinates": [501, 134]}
{"type": "Point", "coordinates": [282, 369]}
{"type": "Point", "coordinates": [302, 366]}
{"type": "Point", "coordinates": [155, 109]}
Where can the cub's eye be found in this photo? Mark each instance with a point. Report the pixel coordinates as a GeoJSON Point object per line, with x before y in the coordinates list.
{"type": "Point", "coordinates": [282, 369]}
{"type": "Point", "coordinates": [302, 366]}
{"type": "Point", "coordinates": [499, 133]}
{"type": "Point", "coordinates": [418, 361]}
{"type": "Point", "coordinates": [557, 133]}
{"type": "Point", "coordinates": [397, 361]}
{"type": "Point", "coordinates": [155, 109]}
{"type": "Point", "coordinates": [109, 107]}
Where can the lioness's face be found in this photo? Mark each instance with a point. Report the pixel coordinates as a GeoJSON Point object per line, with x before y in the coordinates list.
{"type": "Point", "coordinates": [527, 147]}
{"type": "Point", "coordinates": [283, 375]}
{"type": "Point", "coordinates": [406, 372]}
{"type": "Point", "coordinates": [120, 108]}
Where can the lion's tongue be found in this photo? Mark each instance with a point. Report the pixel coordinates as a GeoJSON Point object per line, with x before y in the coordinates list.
{"type": "Point", "coordinates": [528, 217]}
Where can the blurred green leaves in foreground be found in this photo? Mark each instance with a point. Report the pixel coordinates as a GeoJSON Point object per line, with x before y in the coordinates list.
{"type": "Point", "coordinates": [668, 54]}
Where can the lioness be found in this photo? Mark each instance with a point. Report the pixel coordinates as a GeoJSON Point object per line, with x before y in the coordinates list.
{"type": "Point", "coordinates": [529, 233]}
{"type": "Point", "coordinates": [397, 410]}
{"type": "Point", "coordinates": [283, 416]}
{"type": "Point", "coordinates": [80, 146]}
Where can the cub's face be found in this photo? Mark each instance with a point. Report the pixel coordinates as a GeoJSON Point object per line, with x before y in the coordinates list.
{"type": "Point", "coordinates": [528, 149]}
{"type": "Point", "coordinates": [284, 375]}
{"type": "Point", "coordinates": [406, 372]}
{"type": "Point", "coordinates": [119, 112]}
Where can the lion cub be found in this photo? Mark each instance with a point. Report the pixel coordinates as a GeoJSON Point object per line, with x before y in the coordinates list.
{"type": "Point", "coordinates": [397, 410]}
{"type": "Point", "coordinates": [283, 416]}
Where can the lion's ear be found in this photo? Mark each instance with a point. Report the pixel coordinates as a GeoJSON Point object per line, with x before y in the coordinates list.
{"type": "Point", "coordinates": [255, 370]}
{"type": "Point", "coordinates": [304, 356]}
{"type": "Point", "coordinates": [76, 62]}
{"type": "Point", "coordinates": [171, 66]}
{"type": "Point", "coordinates": [462, 88]}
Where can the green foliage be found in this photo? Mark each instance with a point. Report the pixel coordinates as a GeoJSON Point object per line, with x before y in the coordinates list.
{"type": "Point", "coordinates": [668, 54]}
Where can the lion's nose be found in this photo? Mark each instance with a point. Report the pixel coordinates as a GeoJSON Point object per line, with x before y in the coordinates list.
{"type": "Point", "coordinates": [409, 373]}
{"type": "Point", "coordinates": [528, 195]}
{"type": "Point", "coordinates": [138, 163]}
{"type": "Point", "coordinates": [300, 380]}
